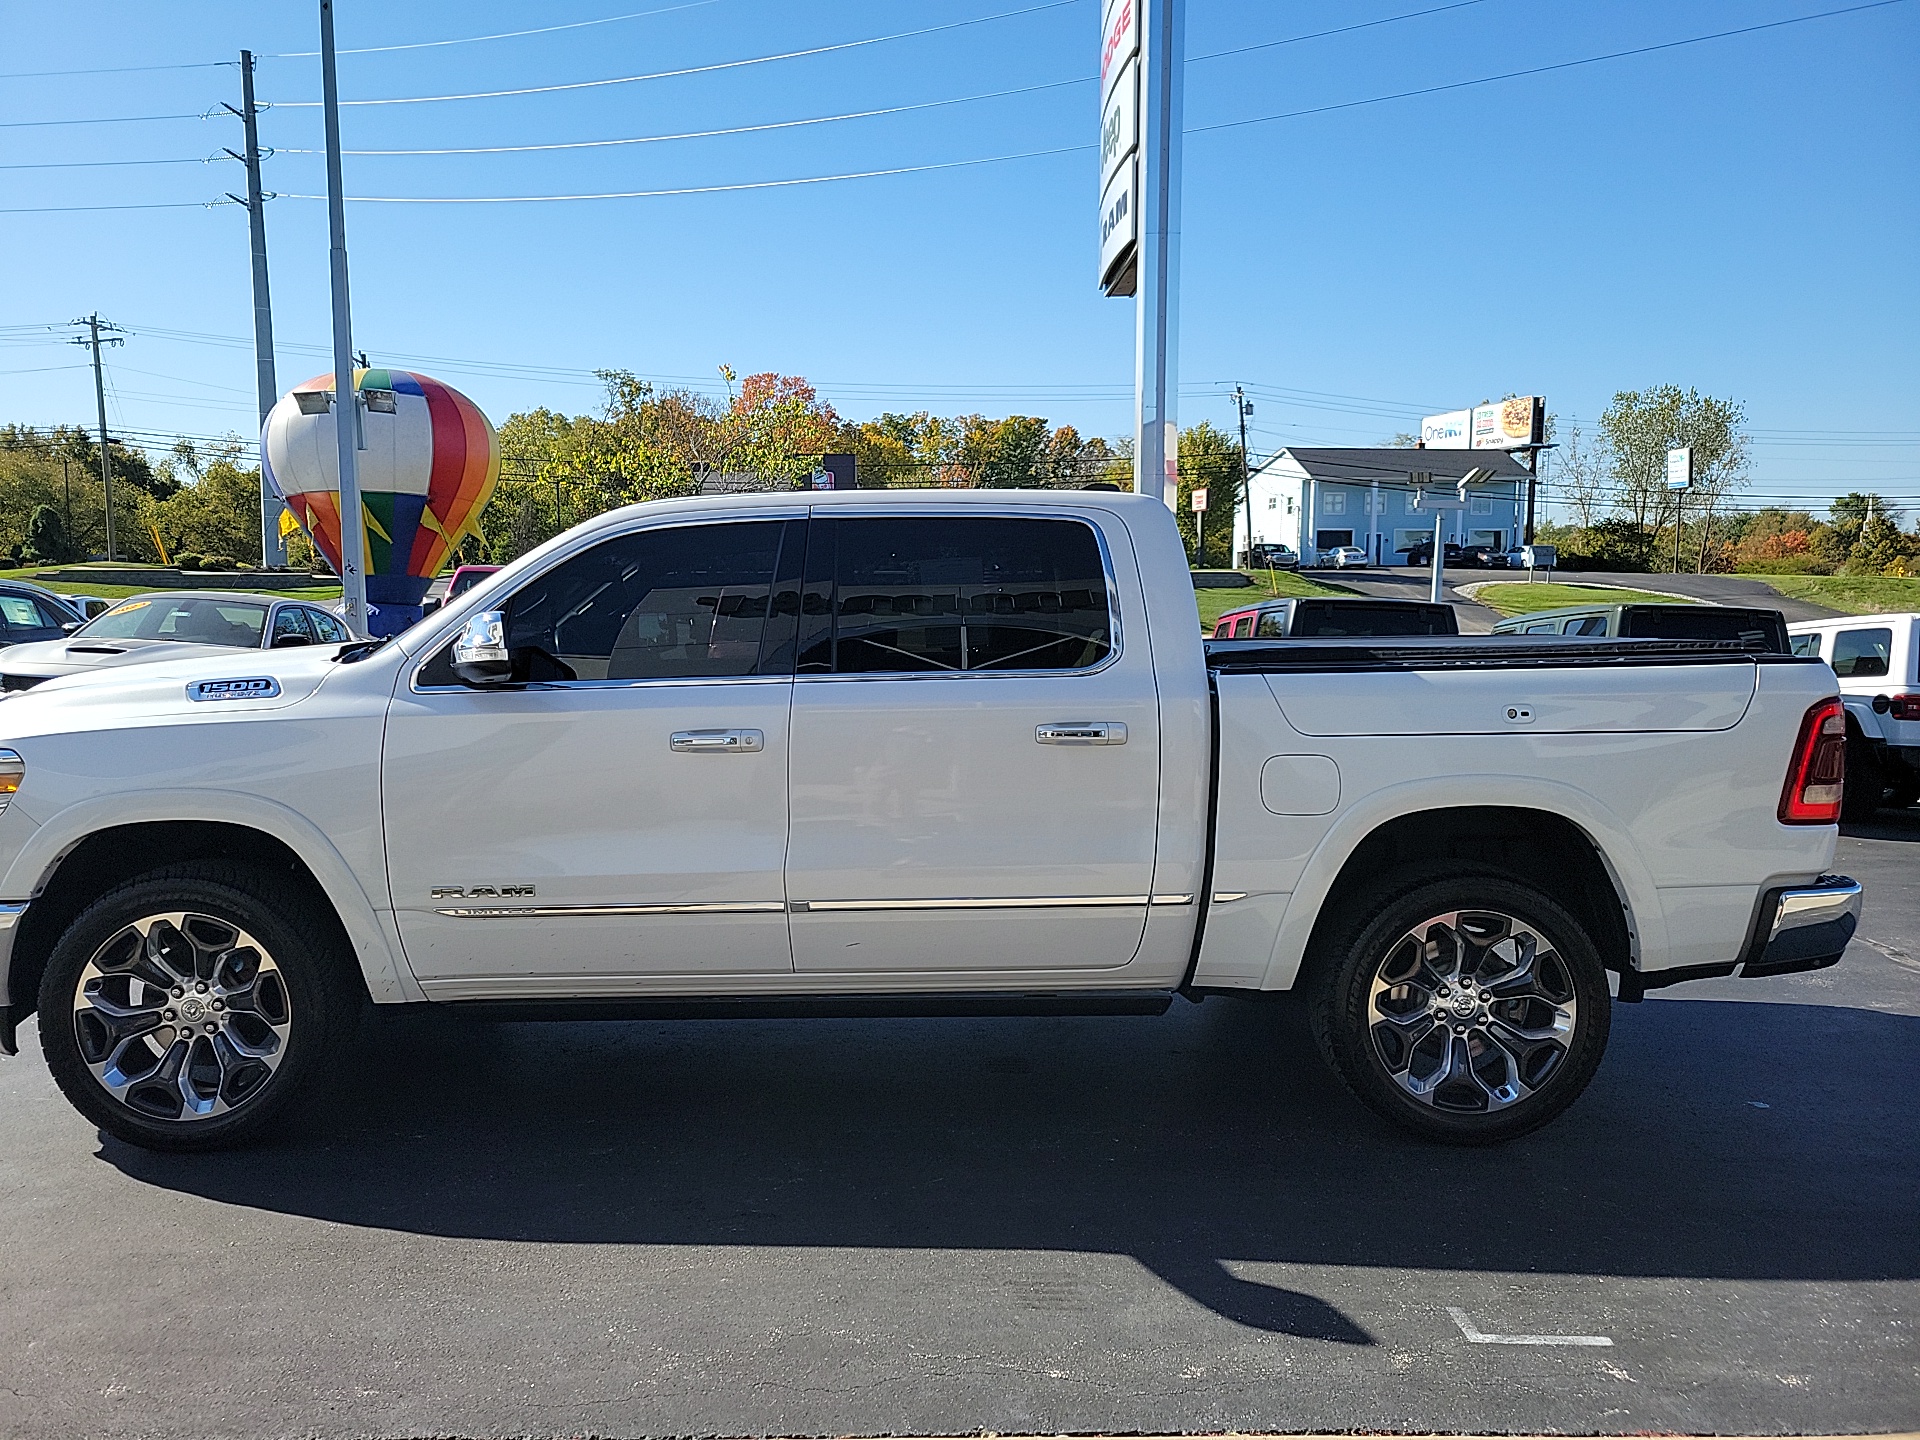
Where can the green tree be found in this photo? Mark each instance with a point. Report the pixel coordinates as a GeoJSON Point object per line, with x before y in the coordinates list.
{"type": "Point", "coordinates": [1639, 427]}
{"type": "Point", "coordinates": [47, 541]}
{"type": "Point", "coordinates": [1210, 461]}
{"type": "Point", "coordinates": [1883, 548]}
{"type": "Point", "coordinates": [216, 513]}
{"type": "Point", "coordinates": [1009, 454]}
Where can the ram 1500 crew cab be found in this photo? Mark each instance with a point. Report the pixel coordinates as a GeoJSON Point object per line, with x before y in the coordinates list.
{"type": "Point", "coordinates": [922, 752]}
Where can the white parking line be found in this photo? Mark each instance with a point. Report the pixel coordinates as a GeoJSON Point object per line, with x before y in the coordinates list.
{"type": "Point", "coordinates": [1476, 1337]}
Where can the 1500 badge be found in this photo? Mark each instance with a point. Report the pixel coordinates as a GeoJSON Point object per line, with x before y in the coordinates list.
{"type": "Point", "coordinates": [481, 892]}
{"type": "Point", "coordinates": [258, 687]}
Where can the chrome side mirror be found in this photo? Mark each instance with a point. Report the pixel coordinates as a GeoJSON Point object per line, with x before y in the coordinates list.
{"type": "Point", "coordinates": [480, 654]}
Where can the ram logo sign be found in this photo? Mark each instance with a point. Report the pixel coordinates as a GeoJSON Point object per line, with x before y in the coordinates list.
{"type": "Point", "coordinates": [258, 687]}
{"type": "Point", "coordinates": [482, 892]}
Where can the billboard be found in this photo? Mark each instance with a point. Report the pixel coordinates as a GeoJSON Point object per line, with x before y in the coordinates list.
{"type": "Point", "coordinates": [1515, 423]}
{"type": "Point", "coordinates": [1510, 424]}
{"type": "Point", "coordinates": [1448, 431]}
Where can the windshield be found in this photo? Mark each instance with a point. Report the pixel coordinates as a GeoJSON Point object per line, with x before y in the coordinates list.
{"type": "Point", "coordinates": [196, 620]}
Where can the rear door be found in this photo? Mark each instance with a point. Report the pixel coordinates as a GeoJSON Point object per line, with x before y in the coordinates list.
{"type": "Point", "coordinates": [975, 751]}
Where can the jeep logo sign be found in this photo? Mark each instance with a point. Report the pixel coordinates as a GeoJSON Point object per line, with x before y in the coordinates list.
{"type": "Point", "coordinates": [259, 687]}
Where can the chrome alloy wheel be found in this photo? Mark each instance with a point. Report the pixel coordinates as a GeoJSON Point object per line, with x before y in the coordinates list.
{"type": "Point", "coordinates": [1472, 1011]}
{"type": "Point", "coordinates": [182, 1017]}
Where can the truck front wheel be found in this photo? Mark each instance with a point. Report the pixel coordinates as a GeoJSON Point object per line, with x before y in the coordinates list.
{"type": "Point", "coordinates": [1469, 1010]}
{"type": "Point", "coordinates": [182, 1010]}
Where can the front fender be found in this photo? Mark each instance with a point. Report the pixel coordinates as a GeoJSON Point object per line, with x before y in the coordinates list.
{"type": "Point", "coordinates": [1860, 710]}
{"type": "Point", "coordinates": [1646, 926]}
{"type": "Point", "coordinates": [370, 929]}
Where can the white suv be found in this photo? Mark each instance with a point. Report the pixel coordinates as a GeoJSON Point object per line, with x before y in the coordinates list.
{"type": "Point", "coordinates": [1877, 658]}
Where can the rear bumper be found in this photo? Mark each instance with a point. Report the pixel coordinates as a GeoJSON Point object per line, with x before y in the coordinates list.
{"type": "Point", "coordinates": [1803, 928]}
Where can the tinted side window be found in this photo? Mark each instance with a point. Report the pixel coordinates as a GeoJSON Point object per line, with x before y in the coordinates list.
{"type": "Point", "coordinates": [946, 594]}
{"type": "Point", "coordinates": [1862, 653]}
{"type": "Point", "coordinates": [1272, 626]}
{"type": "Point", "coordinates": [290, 620]}
{"type": "Point", "coordinates": [671, 603]}
{"type": "Point", "coordinates": [1243, 628]}
{"type": "Point", "coordinates": [1586, 625]}
{"type": "Point", "coordinates": [328, 630]}
{"type": "Point", "coordinates": [1545, 627]}
{"type": "Point", "coordinates": [1806, 644]}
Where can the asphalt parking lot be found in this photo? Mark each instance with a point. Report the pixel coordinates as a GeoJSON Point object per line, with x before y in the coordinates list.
{"type": "Point", "coordinates": [942, 1227]}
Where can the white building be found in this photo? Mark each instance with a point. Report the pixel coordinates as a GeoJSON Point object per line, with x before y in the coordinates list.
{"type": "Point", "coordinates": [1317, 499]}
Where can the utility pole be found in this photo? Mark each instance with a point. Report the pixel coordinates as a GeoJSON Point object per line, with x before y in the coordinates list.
{"type": "Point", "coordinates": [346, 398]}
{"type": "Point", "coordinates": [92, 340]}
{"type": "Point", "coordinates": [273, 552]}
{"type": "Point", "coordinates": [1243, 409]}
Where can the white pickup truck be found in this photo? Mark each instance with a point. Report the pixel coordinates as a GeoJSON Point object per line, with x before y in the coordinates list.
{"type": "Point", "coordinates": [911, 752]}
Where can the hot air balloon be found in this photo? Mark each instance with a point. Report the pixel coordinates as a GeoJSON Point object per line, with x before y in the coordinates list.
{"type": "Point", "coordinates": [429, 467]}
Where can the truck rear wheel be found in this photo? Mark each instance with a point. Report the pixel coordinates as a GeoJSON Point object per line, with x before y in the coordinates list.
{"type": "Point", "coordinates": [1468, 1009]}
{"type": "Point", "coordinates": [183, 1010]}
{"type": "Point", "coordinates": [1866, 781]}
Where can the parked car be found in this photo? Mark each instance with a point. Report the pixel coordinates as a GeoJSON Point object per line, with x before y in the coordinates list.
{"type": "Point", "coordinates": [1481, 557]}
{"type": "Point", "coordinates": [170, 625]}
{"type": "Point", "coordinates": [900, 752]}
{"type": "Point", "coordinates": [1877, 659]}
{"type": "Point", "coordinates": [1297, 618]}
{"type": "Point", "coordinates": [1422, 554]}
{"type": "Point", "coordinates": [1268, 556]}
{"type": "Point", "coordinates": [1759, 629]}
{"type": "Point", "coordinates": [86, 606]}
{"type": "Point", "coordinates": [28, 613]}
{"type": "Point", "coordinates": [1344, 557]}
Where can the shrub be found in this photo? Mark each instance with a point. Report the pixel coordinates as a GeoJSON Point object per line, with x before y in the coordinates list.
{"type": "Point", "coordinates": [218, 562]}
{"type": "Point", "coordinates": [187, 560]}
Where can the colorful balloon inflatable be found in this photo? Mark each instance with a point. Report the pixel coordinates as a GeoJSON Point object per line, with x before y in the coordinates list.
{"type": "Point", "coordinates": [429, 469]}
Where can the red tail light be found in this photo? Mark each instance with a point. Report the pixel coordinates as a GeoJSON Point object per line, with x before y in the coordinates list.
{"type": "Point", "coordinates": [1819, 769]}
{"type": "Point", "coordinates": [1904, 707]}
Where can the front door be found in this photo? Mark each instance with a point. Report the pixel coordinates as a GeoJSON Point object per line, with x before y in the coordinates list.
{"type": "Point", "coordinates": [624, 815]}
{"type": "Point", "coordinates": [975, 764]}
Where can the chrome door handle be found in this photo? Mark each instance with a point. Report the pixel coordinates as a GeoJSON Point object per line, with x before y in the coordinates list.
{"type": "Point", "coordinates": [1082, 732]}
{"type": "Point", "coordinates": [719, 742]}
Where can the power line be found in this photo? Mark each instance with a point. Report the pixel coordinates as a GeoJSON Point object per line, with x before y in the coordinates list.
{"type": "Point", "coordinates": [1542, 69]}
{"type": "Point", "coordinates": [503, 35]}
{"type": "Point", "coordinates": [699, 69]}
{"type": "Point", "coordinates": [114, 70]}
{"type": "Point", "coordinates": [706, 134]}
{"type": "Point", "coordinates": [77, 209]}
{"type": "Point", "coordinates": [1339, 30]}
{"type": "Point", "coordinates": [101, 120]}
{"type": "Point", "coordinates": [685, 189]}
{"type": "Point", "coordinates": [99, 164]}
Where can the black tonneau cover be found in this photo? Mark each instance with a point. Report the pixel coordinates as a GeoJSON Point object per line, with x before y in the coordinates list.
{"type": "Point", "coordinates": [1478, 652]}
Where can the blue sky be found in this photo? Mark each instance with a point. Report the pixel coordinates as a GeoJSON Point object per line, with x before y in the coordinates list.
{"type": "Point", "coordinates": [1739, 215]}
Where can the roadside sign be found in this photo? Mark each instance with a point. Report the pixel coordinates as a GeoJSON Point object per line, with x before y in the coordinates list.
{"type": "Point", "coordinates": [1120, 123]}
{"type": "Point", "coordinates": [1119, 40]}
{"type": "Point", "coordinates": [1680, 468]}
{"type": "Point", "coordinates": [1120, 101]}
{"type": "Point", "coordinates": [1199, 501]}
{"type": "Point", "coordinates": [1119, 222]}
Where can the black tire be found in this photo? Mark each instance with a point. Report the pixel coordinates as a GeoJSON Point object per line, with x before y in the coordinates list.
{"type": "Point", "coordinates": [1866, 781]}
{"type": "Point", "coordinates": [243, 996]}
{"type": "Point", "coordinates": [1537, 1021]}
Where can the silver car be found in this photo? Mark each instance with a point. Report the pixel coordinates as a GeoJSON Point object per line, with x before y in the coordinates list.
{"type": "Point", "coordinates": [169, 625]}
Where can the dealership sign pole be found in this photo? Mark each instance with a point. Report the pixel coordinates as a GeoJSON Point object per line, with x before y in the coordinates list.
{"type": "Point", "coordinates": [1142, 48]}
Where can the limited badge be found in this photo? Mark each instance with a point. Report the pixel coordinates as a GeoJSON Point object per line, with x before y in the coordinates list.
{"type": "Point", "coordinates": [258, 687]}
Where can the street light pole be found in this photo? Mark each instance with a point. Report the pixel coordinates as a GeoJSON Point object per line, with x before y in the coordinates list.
{"type": "Point", "coordinates": [1156, 443]}
{"type": "Point", "coordinates": [346, 396]}
{"type": "Point", "coordinates": [1242, 408]}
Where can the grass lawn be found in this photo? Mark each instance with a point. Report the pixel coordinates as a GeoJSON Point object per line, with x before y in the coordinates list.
{"type": "Point", "coordinates": [120, 592]}
{"type": "Point", "coordinates": [1849, 594]}
{"type": "Point", "coordinates": [1521, 598]}
{"type": "Point", "coordinates": [1266, 584]}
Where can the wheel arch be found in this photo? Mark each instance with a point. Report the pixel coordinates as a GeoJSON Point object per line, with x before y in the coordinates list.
{"type": "Point", "coordinates": [89, 848]}
{"type": "Point", "coordinates": [1558, 840]}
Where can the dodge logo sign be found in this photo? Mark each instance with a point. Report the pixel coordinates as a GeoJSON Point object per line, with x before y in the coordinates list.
{"type": "Point", "coordinates": [260, 687]}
